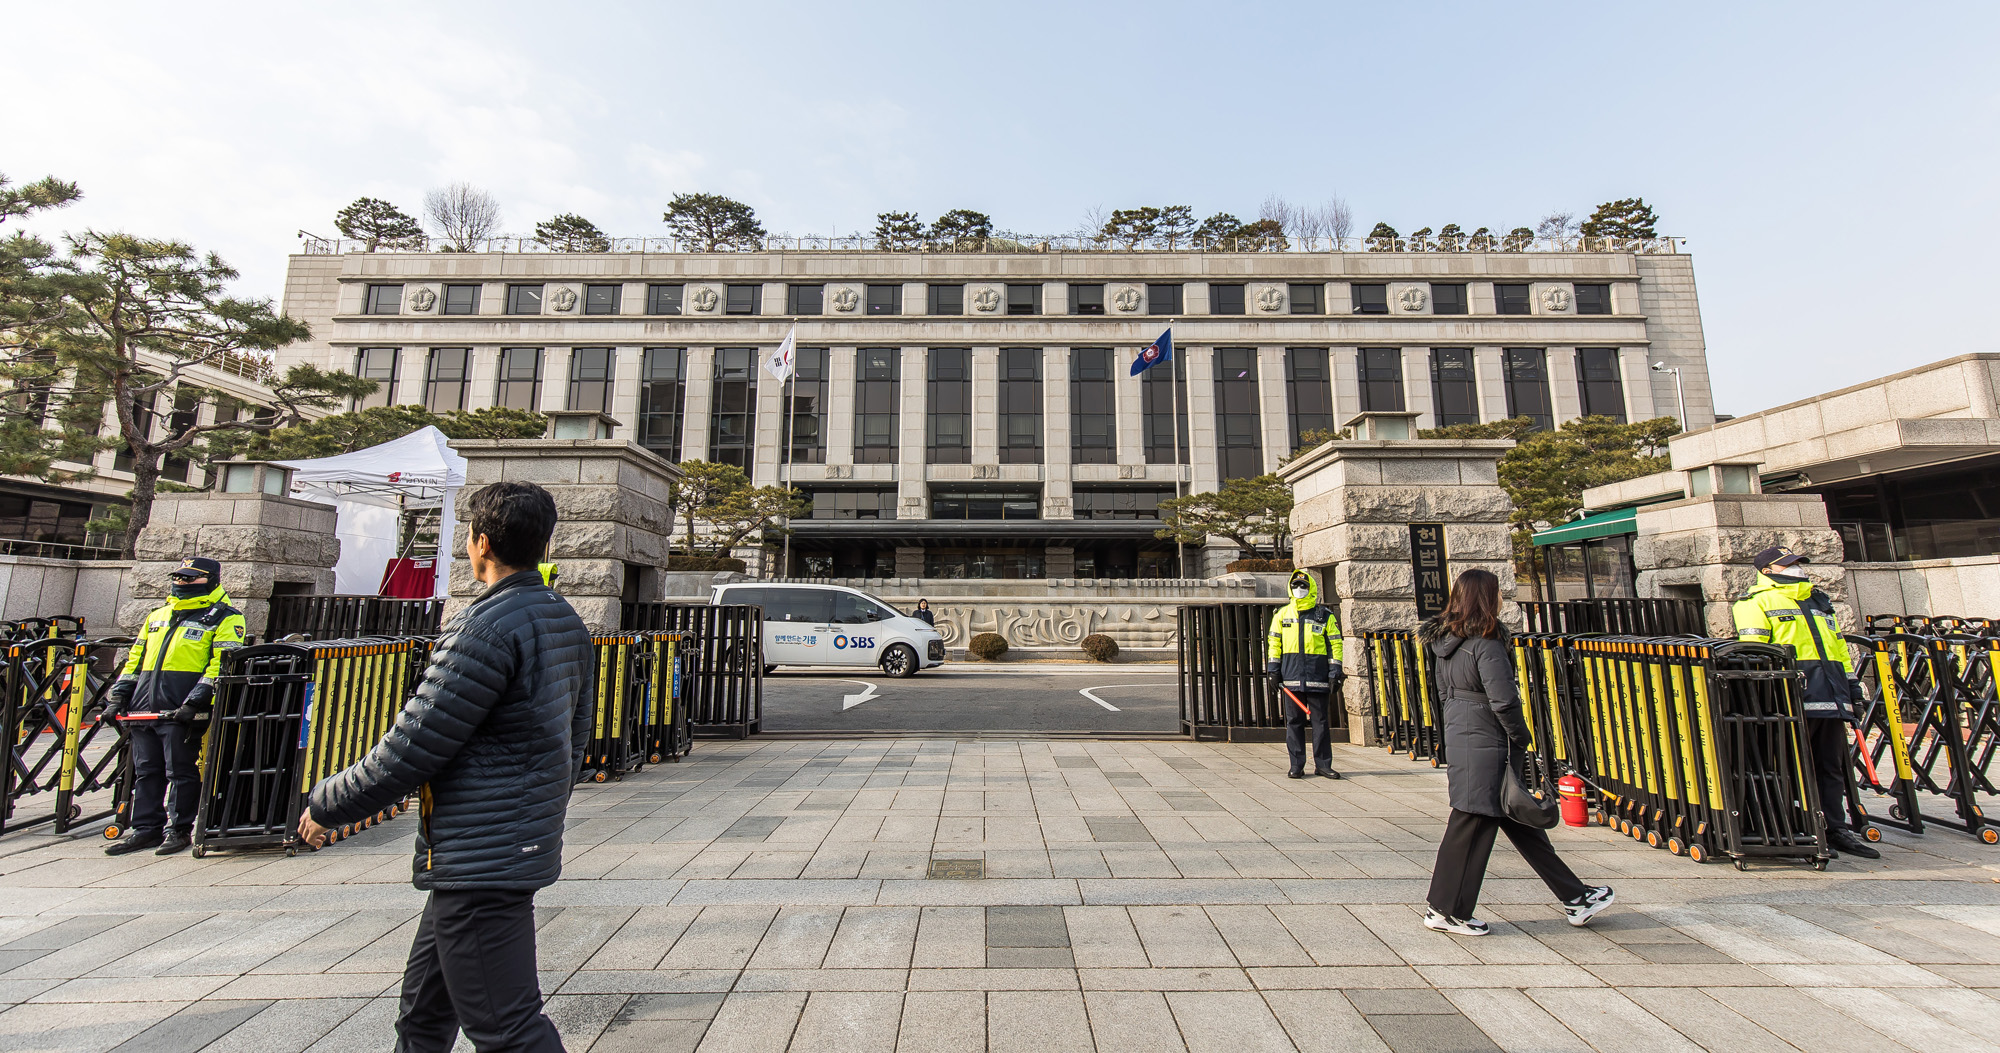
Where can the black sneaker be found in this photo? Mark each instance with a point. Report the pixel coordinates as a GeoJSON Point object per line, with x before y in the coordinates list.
{"type": "Point", "coordinates": [132, 843]}
{"type": "Point", "coordinates": [1580, 910]}
{"type": "Point", "coordinates": [176, 842]}
{"type": "Point", "coordinates": [1852, 843]}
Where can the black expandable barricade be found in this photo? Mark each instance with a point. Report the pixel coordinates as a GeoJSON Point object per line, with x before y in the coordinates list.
{"type": "Point", "coordinates": [1932, 714]}
{"type": "Point", "coordinates": [722, 667]}
{"type": "Point", "coordinates": [57, 741]}
{"type": "Point", "coordinates": [352, 617]}
{"type": "Point", "coordinates": [1224, 693]}
{"type": "Point", "coordinates": [1621, 617]}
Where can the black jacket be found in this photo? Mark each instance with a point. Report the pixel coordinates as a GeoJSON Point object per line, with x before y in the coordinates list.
{"type": "Point", "coordinates": [1483, 729]}
{"type": "Point", "coordinates": [494, 737]}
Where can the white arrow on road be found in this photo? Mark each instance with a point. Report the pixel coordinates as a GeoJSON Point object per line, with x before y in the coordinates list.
{"type": "Point", "coordinates": [848, 702]}
{"type": "Point", "coordinates": [1090, 693]}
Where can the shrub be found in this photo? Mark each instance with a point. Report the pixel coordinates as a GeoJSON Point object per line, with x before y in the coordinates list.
{"type": "Point", "coordinates": [1259, 566]}
{"type": "Point", "coordinates": [1100, 648]}
{"type": "Point", "coordinates": [678, 561]}
{"type": "Point", "coordinates": [987, 646]}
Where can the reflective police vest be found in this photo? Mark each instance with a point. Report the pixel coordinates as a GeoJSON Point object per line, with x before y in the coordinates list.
{"type": "Point", "coordinates": [1796, 615]}
{"type": "Point", "coordinates": [181, 645]}
{"type": "Point", "coordinates": [1304, 642]}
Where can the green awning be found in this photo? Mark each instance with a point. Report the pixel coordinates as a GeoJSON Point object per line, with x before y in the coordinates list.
{"type": "Point", "coordinates": [1603, 524]}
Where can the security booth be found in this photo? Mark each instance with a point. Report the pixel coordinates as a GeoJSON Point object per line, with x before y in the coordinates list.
{"type": "Point", "coordinates": [1588, 558]}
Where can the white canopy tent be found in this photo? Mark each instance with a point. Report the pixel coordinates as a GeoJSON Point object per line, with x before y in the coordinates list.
{"type": "Point", "coordinates": [371, 489]}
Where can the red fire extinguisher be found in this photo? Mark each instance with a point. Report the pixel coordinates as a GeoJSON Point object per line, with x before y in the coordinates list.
{"type": "Point", "coordinates": [1575, 810]}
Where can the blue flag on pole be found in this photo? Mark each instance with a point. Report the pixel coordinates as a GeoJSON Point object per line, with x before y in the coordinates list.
{"type": "Point", "coordinates": [1161, 350]}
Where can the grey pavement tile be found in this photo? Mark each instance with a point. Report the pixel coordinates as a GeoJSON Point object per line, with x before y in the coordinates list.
{"type": "Point", "coordinates": [1707, 1022]}
{"type": "Point", "coordinates": [579, 1019]}
{"type": "Point", "coordinates": [757, 1022]}
{"type": "Point", "coordinates": [1103, 938]}
{"type": "Point", "coordinates": [1401, 1002]}
{"type": "Point", "coordinates": [849, 1022]}
{"type": "Point", "coordinates": [287, 1026]}
{"type": "Point", "coordinates": [1401, 929]}
{"type": "Point", "coordinates": [1256, 937]}
{"type": "Point", "coordinates": [133, 989]}
{"type": "Point", "coordinates": [251, 946]}
{"type": "Point", "coordinates": [874, 938]}
{"type": "Point", "coordinates": [1609, 1020]}
{"type": "Point", "coordinates": [1679, 953]}
{"type": "Point", "coordinates": [107, 946]}
{"type": "Point", "coordinates": [568, 941]}
{"type": "Point", "coordinates": [65, 932]}
{"type": "Point", "coordinates": [1431, 1034]}
{"type": "Point", "coordinates": [751, 828]}
{"type": "Point", "coordinates": [62, 1029]}
{"type": "Point", "coordinates": [1023, 926]}
{"type": "Point", "coordinates": [369, 1029]}
{"type": "Point", "coordinates": [191, 1029]}
{"type": "Point", "coordinates": [778, 893]}
{"type": "Point", "coordinates": [984, 979]}
{"type": "Point", "coordinates": [1189, 978]}
{"type": "Point", "coordinates": [721, 937]}
{"type": "Point", "coordinates": [1323, 1021]}
{"type": "Point", "coordinates": [1228, 1021]}
{"type": "Point", "coordinates": [254, 986]}
{"type": "Point", "coordinates": [1132, 1020]}
{"type": "Point", "coordinates": [1116, 828]}
{"type": "Point", "coordinates": [822, 980]}
{"type": "Point", "coordinates": [1889, 929]}
{"type": "Point", "coordinates": [389, 952]}
{"type": "Point", "coordinates": [1515, 1023]}
{"type": "Point", "coordinates": [1037, 1022]}
{"type": "Point", "coordinates": [1804, 1021]}
{"type": "Point", "coordinates": [1180, 937]}
{"type": "Point", "coordinates": [797, 939]}
{"type": "Point", "coordinates": [1029, 958]}
{"type": "Point", "coordinates": [650, 981]}
{"type": "Point", "coordinates": [943, 1022]}
{"type": "Point", "coordinates": [1078, 761]}
{"type": "Point", "coordinates": [950, 937]}
{"type": "Point", "coordinates": [1332, 936]}
{"type": "Point", "coordinates": [643, 939]}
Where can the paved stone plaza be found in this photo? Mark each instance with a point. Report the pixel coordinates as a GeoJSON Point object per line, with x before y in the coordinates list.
{"type": "Point", "coordinates": [1137, 896]}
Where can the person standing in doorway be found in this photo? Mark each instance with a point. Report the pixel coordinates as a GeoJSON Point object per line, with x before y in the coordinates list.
{"type": "Point", "coordinates": [492, 740]}
{"type": "Point", "coordinates": [1484, 742]}
{"type": "Point", "coordinates": [1304, 653]}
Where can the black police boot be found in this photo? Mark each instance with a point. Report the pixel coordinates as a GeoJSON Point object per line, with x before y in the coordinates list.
{"type": "Point", "coordinates": [1295, 775]}
{"type": "Point", "coordinates": [177, 841]}
{"type": "Point", "coordinates": [1327, 773]}
{"type": "Point", "coordinates": [132, 843]}
{"type": "Point", "coordinates": [1851, 843]}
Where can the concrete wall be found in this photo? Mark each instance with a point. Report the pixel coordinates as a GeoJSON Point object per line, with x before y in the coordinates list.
{"type": "Point", "coordinates": [93, 590]}
{"type": "Point", "coordinates": [1968, 587]}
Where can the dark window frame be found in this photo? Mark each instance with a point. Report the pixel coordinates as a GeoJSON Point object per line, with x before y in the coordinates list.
{"type": "Point", "coordinates": [805, 403]}
{"type": "Point", "coordinates": [1164, 298]}
{"type": "Point", "coordinates": [1448, 386]}
{"type": "Point", "coordinates": [1019, 395]}
{"type": "Point", "coordinates": [518, 296]}
{"type": "Point", "coordinates": [734, 399]}
{"type": "Point", "coordinates": [1449, 298]}
{"type": "Point", "coordinates": [1600, 380]}
{"type": "Point", "coordinates": [943, 389]}
{"type": "Point", "coordinates": [1226, 299]}
{"type": "Point", "coordinates": [1118, 502]}
{"type": "Point", "coordinates": [743, 299]}
{"type": "Point", "coordinates": [878, 392]}
{"type": "Point", "coordinates": [946, 299]}
{"type": "Point", "coordinates": [1079, 294]}
{"type": "Point", "coordinates": [603, 299]}
{"type": "Point", "coordinates": [587, 392]}
{"type": "Point", "coordinates": [508, 385]}
{"type": "Point", "coordinates": [1305, 298]}
{"type": "Point", "coordinates": [1513, 298]}
{"type": "Point", "coordinates": [1093, 406]}
{"type": "Point", "coordinates": [1596, 301]}
{"type": "Point", "coordinates": [884, 300]}
{"type": "Point", "coordinates": [1379, 375]}
{"type": "Point", "coordinates": [665, 299]}
{"type": "Point", "coordinates": [1239, 420]}
{"type": "Point", "coordinates": [1309, 391]}
{"type": "Point", "coordinates": [805, 299]}
{"type": "Point", "coordinates": [1526, 380]}
{"type": "Point", "coordinates": [1368, 298]}
{"type": "Point", "coordinates": [459, 300]}
{"type": "Point", "coordinates": [437, 367]}
{"type": "Point", "coordinates": [1158, 391]}
{"type": "Point", "coordinates": [385, 394]}
{"type": "Point", "coordinates": [383, 299]}
{"type": "Point", "coordinates": [662, 400]}
{"type": "Point", "coordinates": [1024, 299]}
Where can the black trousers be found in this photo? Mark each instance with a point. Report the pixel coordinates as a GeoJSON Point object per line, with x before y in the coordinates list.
{"type": "Point", "coordinates": [163, 759]}
{"type": "Point", "coordinates": [1828, 738]}
{"type": "Point", "coordinates": [472, 966]}
{"type": "Point", "coordinates": [1296, 720]}
{"type": "Point", "coordinates": [1468, 844]}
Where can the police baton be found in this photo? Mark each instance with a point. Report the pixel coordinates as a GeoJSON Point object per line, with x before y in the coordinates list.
{"type": "Point", "coordinates": [1295, 700]}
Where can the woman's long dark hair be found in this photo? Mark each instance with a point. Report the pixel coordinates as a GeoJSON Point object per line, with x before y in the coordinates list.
{"type": "Point", "coordinates": [1474, 607]}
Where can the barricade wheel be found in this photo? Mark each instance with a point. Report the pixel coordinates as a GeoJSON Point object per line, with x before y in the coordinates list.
{"type": "Point", "coordinates": [1990, 835]}
{"type": "Point", "coordinates": [111, 832]}
{"type": "Point", "coordinates": [1744, 864]}
{"type": "Point", "coordinates": [75, 810]}
{"type": "Point", "coordinates": [1698, 853]}
{"type": "Point", "coordinates": [199, 851]}
{"type": "Point", "coordinates": [1653, 838]}
{"type": "Point", "coordinates": [1674, 846]}
{"type": "Point", "coordinates": [1819, 864]}
{"type": "Point", "coordinates": [1896, 812]}
{"type": "Point", "coordinates": [652, 758]}
{"type": "Point", "coordinates": [1872, 834]}
{"type": "Point", "coordinates": [599, 777]}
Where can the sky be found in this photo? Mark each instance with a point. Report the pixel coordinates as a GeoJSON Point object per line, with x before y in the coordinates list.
{"type": "Point", "coordinates": [1831, 166]}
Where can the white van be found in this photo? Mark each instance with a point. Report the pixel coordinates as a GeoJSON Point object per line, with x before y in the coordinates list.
{"type": "Point", "coordinates": [834, 625]}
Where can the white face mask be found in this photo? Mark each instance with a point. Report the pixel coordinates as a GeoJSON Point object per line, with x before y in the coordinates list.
{"type": "Point", "coordinates": [1300, 591]}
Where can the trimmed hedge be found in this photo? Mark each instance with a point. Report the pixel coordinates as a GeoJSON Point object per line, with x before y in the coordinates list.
{"type": "Point", "coordinates": [987, 646]}
{"type": "Point", "coordinates": [1259, 566]}
{"type": "Point", "coordinates": [1099, 647]}
{"type": "Point", "coordinates": [679, 561]}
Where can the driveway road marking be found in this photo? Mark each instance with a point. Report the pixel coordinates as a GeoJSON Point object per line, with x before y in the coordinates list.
{"type": "Point", "coordinates": [1091, 693]}
{"type": "Point", "coordinates": [848, 702]}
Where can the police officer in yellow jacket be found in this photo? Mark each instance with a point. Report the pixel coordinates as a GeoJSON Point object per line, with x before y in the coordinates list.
{"type": "Point", "coordinates": [1785, 609]}
{"type": "Point", "coordinates": [1304, 660]}
{"type": "Point", "coordinates": [171, 672]}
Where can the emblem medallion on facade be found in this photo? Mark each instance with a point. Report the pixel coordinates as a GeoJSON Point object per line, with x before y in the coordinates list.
{"type": "Point", "coordinates": [1270, 301]}
{"type": "Point", "coordinates": [844, 300]}
{"type": "Point", "coordinates": [1412, 299]}
{"type": "Point", "coordinates": [703, 300]}
{"type": "Point", "coordinates": [1556, 299]}
{"type": "Point", "coordinates": [1127, 300]}
{"type": "Point", "coordinates": [423, 300]}
{"type": "Point", "coordinates": [563, 299]}
{"type": "Point", "coordinates": [986, 300]}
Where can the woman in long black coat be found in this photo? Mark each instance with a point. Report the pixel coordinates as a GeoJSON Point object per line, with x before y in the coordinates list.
{"type": "Point", "coordinates": [1484, 737]}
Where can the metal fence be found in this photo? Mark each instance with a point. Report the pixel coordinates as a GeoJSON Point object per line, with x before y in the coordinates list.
{"type": "Point", "coordinates": [1475, 242]}
{"type": "Point", "coordinates": [349, 617]}
{"type": "Point", "coordinates": [1626, 617]}
{"type": "Point", "coordinates": [722, 670]}
{"type": "Point", "coordinates": [1224, 694]}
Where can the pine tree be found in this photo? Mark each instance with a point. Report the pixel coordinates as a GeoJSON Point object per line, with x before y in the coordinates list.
{"type": "Point", "coordinates": [1627, 217]}
{"type": "Point", "coordinates": [570, 232]}
{"type": "Point", "coordinates": [1131, 226]}
{"type": "Point", "coordinates": [1218, 231]}
{"type": "Point", "coordinates": [713, 223]}
{"type": "Point", "coordinates": [961, 229]}
{"type": "Point", "coordinates": [1174, 224]}
{"type": "Point", "coordinates": [1384, 239]}
{"type": "Point", "coordinates": [898, 231]}
{"type": "Point", "coordinates": [375, 222]}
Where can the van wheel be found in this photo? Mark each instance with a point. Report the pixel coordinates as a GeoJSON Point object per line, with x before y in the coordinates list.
{"type": "Point", "coordinates": [899, 661]}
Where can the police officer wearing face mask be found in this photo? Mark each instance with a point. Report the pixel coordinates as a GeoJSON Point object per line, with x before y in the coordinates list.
{"type": "Point", "coordinates": [171, 672]}
{"type": "Point", "coordinates": [1304, 655]}
{"type": "Point", "coordinates": [1786, 609]}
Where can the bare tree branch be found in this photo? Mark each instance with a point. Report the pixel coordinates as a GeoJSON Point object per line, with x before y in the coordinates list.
{"type": "Point", "coordinates": [462, 214]}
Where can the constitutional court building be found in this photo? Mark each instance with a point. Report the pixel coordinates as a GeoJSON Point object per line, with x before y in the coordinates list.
{"type": "Point", "coordinates": [972, 414]}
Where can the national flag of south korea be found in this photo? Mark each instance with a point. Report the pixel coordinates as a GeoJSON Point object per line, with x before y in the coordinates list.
{"type": "Point", "coordinates": [783, 358]}
{"type": "Point", "coordinates": [1161, 350]}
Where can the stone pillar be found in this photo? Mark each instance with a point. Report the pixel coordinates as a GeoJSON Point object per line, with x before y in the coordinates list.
{"type": "Point", "coordinates": [1700, 549]}
{"type": "Point", "coordinates": [611, 503]}
{"type": "Point", "coordinates": [837, 414]}
{"type": "Point", "coordinates": [1056, 439]}
{"type": "Point", "coordinates": [267, 546]}
{"type": "Point", "coordinates": [1274, 414]}
{"type": "Point", "coordinates": [985, 405]}
{"type": "Point", "coordinates": [1354, 502]}
{"type": "Point", "coordinates": [913, 449]}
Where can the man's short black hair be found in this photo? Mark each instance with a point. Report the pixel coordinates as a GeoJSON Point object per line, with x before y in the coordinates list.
{"type": "Point", "coordinates": [517, 519]}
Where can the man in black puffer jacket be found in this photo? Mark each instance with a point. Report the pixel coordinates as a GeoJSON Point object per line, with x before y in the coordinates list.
{"type": "Point", "coordinates": [493, 740]}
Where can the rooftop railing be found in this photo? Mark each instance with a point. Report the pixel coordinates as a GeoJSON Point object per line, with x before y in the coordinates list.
{"type": "Point", "coordinates": [1015, 244]}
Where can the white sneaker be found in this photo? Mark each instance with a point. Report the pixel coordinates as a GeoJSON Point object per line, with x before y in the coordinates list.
{"type": "Point", "coordinates": [1445, 923]}
{"type": "Point", "coordinates": [1585, 907]}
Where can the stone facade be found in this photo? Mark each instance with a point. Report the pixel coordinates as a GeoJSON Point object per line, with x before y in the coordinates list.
{"type": "Point", "coordinates": [1706, 543]}
{"type": "Point", "coordinates": [266, 545]}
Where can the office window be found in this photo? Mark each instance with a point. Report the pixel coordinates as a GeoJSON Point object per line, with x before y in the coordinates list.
{"type": "Point", "coordinates": [1525, 371]}
{"type": "Point", "coordinates": [1239, 424]}
{"type": "Point", "coordinates": [1593, 299]}
{"type": "Point", "coordinates": [187, 412]}
{"type": "Point", "coordinates": [1447, 299]}
{"type": "Point", "coordinates": [662, 399]}
{"type": "Point", "coordinates": [445, 376]}
{"type": "Point", "coordinates": [743, 299]}
{"type": "Point", "coordinates": [1381, 380]}
{"type": "Point", "coordinates": [805, 299]}
{"type": "Point", "coordinates": [590, 373]}
{"type": "Point", "coordinates": [1021, 403]}
{"type": "Point", "coordinates": [379, 365]}
{"type": "Point", "coordinates": [1307, 299]}
{"type": "Point", "coordinates": [806, 422]}
{"type": "Point", "coordinates": [885, 299]}
{"type": "Point", "coordinates": [1308, 391]}
{"type": "Point", "coordinates": [1159, 391]}
{"type": "Point", "coordinates": [876, 503]}
{"type": "Point", "coordinates": [1024, 299]}
{"type": "Point", "coordinates": [1370, 299]}
{"type": "Point", "coordinates": [1163, 299]}
{"type": "Point", "coordinates": [947, 299]}
{"type": "Point", "coordinates": [983, 504]}
{"type": "Point", "coordinates": [1093, 410]}
{"type": "Point", "coordinates": [732, 424]}
{"type": "Point", "coordinates": [1113, 503]}
{"type": "Point", "coordinates": [1511, 299]}
{"type": "Point", "coordinates": [461, 299]}
{"type": "Point", "coordinates": [1225, 299]}
{"type": "Point", "coordinates": [602, 299]}
{"type": "Point", "coordinates": [876, 391]}
{"type": "Point", "coordinates": [1086, 299]}
{"type": "Point", "coordinates": [520, 384]}
{"type": "Point", "coordinates": [1597, 374]}
{"type": "Point", "coordinates": [663, 299]}
{"type": "Point", "coordinates": [1454, 393]}
{"type": "Point", "coordinates": [384, 299]}
{"type": "Point", "coordinates": [948, 423]}
{"type": "Point", "coordinates": [524, 299]}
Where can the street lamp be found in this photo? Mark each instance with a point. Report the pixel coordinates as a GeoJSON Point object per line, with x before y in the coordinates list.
{"type": "Point", "coordinates": [1679, 392]}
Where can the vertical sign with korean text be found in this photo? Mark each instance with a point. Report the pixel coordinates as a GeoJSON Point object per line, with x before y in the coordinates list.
{"type": "Point", "coordinates": [1427, 567]}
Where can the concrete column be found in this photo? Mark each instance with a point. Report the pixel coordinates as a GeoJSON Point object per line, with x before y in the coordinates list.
{"type": "Point", "coordinates": [1346, 365]}
{"type": "Point", "coordinates": [412, 371]}
{"type": "Point", "coordinates": [843, 363]}
{"type": "Point", "coordinates": [912, 445]}
{"type": "Point", "coordinates": [1205, 474]}
{"type": "Point", "coordinates": [698, 401]}
{"type": "Point", "coordinates": [492, 298]}
{"type": "Point", "coordinates": [985, 405]}
{"type": "Point", "coordinates": [1194, 298]}
{"type": "Point", "coordinates": [1056, 490]}
{"type": "Point", "coordinates": [1479, 298]}
{"type": "Point", "coordinates": [1491, 375]}
{"type": "Point", "coordinates": [266, 545]}
{"type": "Point", "coordinates": [916, 299]}
{"type": "Point", "coordinates": [770, 424]}
{"type": "Point", "coordinates": [1055, 298]}
{"type": "Point", "coordinates": [772, 300]}
{"type": "Point", "coordinates": [485, 378]}
{"type": "Point", "coordinates": [555, 378]}
{"type": "Point", "coordinates": [1339, 299]}
{"type": "Point", "coordinates": [909, 561]}
{"type": "Point", "coordinates": [1128, 397]}
{"type": "Point", "coordinates": [1565, 397]}
{"type": "Point", "coordinates": [1700, 548]}
{"type": "Point", "coordinates": [632, 299]}
{"type": "Point", "coordinates": [1274, 413]}
{"type": "Point", "coordinates": [1417, 386]}
{"type": "Point", "coordinates": [1635, 378]}
{"type": "Point", "coordinates": [625, 372]}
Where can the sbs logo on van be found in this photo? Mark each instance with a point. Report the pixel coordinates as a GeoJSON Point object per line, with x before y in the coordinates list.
{"type": "Point", "coordinates": [842, 642]}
